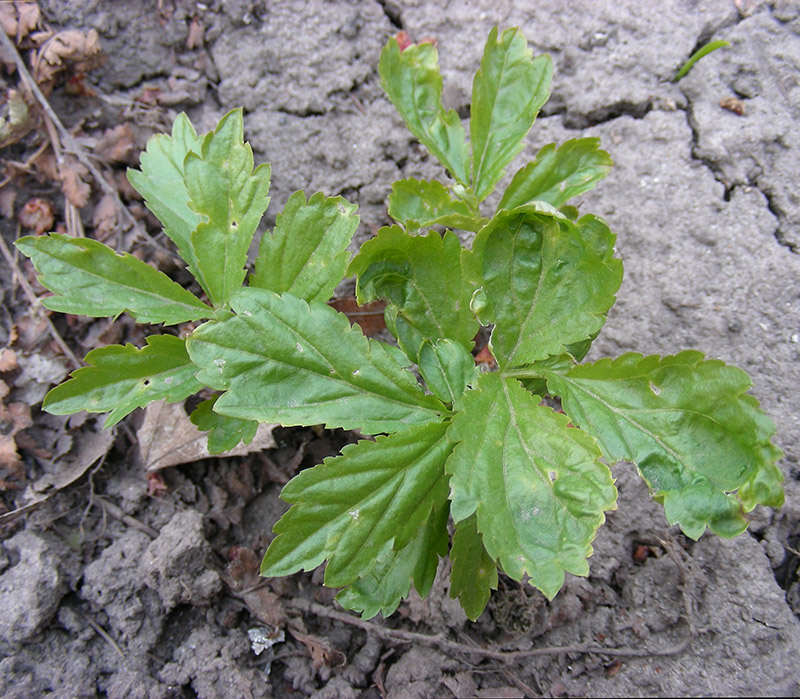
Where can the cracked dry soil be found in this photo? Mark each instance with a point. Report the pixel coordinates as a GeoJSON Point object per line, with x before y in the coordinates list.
{"type": "Point", "coordinates": [108, 591]}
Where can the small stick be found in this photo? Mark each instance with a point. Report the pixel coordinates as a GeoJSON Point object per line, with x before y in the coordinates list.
{"type": "Point", "coordinates": [121, 515]}
{"type": "Point", "coordinates": [105, 635]}
{"type": "Point", "coordinates": [439, 640]}
{"type": "Point", "coordinates": [34, 301]}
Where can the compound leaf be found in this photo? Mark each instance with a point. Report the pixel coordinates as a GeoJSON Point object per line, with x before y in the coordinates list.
{"type": "Point", "coordinates": [508, 91]}
{"type": "Point", "coordinates": [224, 433]}
{"type": "Point", "coordinates": [281, 359]}
{"type": "Point", "coordinates": [121, 378]}
{"type": "Point", "coordinates": [474, 573]}
{"type": "Point", "coordinates": [307, 254]}
{"type": "Point", "coordinates": [447, 367]}
{"type": "Point", "coordinates": [412, 81]}
{"type": "Point", "coordinates": [161, 182]}
{"type": "Point", "coordinates": [230, 198]}
{"type": "Point", "coordinates": [547, 282]}
{"type": "Point", "coordinates": [421, 278]}
{"type": "Point", "coordinates": [353, 508]}
{"type": "Point", "coordinates": [558, 174]}
{"type": "Point", "coordinates": [424, 203]}
{"type": "Point", "coordinates": [690, 428]}
{"type": "Point", "coordinates": [89, 278]}
{"type": "Point", "coordinates": [382, 589]}
{"type": "Point", "coordinates": [535, 484]}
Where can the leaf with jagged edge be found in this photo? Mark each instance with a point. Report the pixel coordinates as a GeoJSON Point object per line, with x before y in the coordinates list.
{"type": "Point", "coordinates": [161, 183]}
{"type": "Point", "coordinates": [424, 203]}
{"type": "Point", "coordinates": [701, 443]}
{"type": "Point", "coordinates": [474, 573]}
{"type": "Point", "coordinates": [230, 198]}
{"type": "Point", "coordinates": [546, 282]}
{"type": "Point", "coordinates": [389, 582]}
{"type": "Point", "coordinates": [281, 359]}
{"type": "Point", "coordinates": [536, 485]}
{"type": "Point", "coordinates": [307, 253]}
{"type": "Point", "coordinates": [224, 433]}
{"type": "Point", "coordinates": [447, 367]}
{"type": "Point", "coordinates": [355, 507]}
{"type": "Point", "coordinates": [89, 278]}
{"type": "Point", "coordinates": [421, 277]}
{"type": "Point", "coordinates": [411, 80]}
{"type": "Point", "coordinates": [508, 91]}
{"type": "Point", "coordinates": [557, 175]}
{"type": "Point", "coordinates": [119, 379]}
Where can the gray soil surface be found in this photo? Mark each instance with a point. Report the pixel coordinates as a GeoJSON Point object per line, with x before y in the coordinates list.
{"type": "Point", "coordinates": [109, 590]}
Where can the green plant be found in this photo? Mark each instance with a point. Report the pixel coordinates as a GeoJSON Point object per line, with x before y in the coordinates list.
{"type": "Point", "coordinates": [526, 489]}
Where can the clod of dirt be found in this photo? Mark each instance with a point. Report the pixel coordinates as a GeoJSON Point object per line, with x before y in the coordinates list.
{"type": "Point", "coordinates": [31, 590]}
{"type": "Point", "coordinates": [175, 564]}
{"type": "Point", "coordinates": [134, 612]}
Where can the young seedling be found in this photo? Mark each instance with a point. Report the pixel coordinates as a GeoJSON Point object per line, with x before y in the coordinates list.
{"type": "Point", "coordinates": [525, 486]}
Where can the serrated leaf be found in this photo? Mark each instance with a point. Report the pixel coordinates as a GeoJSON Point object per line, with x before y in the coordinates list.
{"type": "Point", "coordinates": [382, 589]}
{"type": "Point", "coordinates": [548, 282]}
{"type": "Point", "coordinates": [508, 91]}
{"type": "Point", "coordinates": [307, 254]}
{"type": "Point", "coordinates": [89, 278]}
{"type": "Point", "coordinates": [474, 573]}
{"type": "Point", "coordinates": [424, 203]}
{"type": "Point", "coordinates": [355, 507]}
{"type": "Point", "coordinates": [224, 433]}
{"type": "Point", "coordinates": [281, 359]}
{"type": "Point", "coordinates": [447, 367]}
{"type": "Point", "coordinates": [230, 198]}
{"type": "Point", "coordinates": [690, 428]}
{"type": "Point", "coordinates": [421, 277]}
{"type": "Point", "coordinates": [412, 81]}
{"type": "Point", "coordinates": [120, 379]}
{"type": "Point", "coordinates": [536, 485]}
{"type": "Point", "coordinates": [161, 184]}
{"type": "Point", "coordinates": [558, 174]}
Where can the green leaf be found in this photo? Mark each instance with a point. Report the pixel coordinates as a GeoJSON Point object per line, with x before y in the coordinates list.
{"type": "Point", "coordinates": [536, 485]}
{"type": "Point", "coordinates": [355, 507]}
{"type": "Point", "coordinates": [548, 282]}
{"type": "Point", "coordinates": [224, 433]}
{"type": "Point", "coordinates": [307, 253]}
{"type": "Point", "coordinates": [558, 174]}
{"type": "Point", "coordinates": [161, 183]}
{"type": "Point", "coordinates": [421, 277]}
{"type": "Point", "coordinates": [283, 360]}
{"type": "Point", "coordinates": [507, 93]}
{"type": "Point", "coordinates": [89, 278]}
{"type": "Point", "coordinates": [382, 589]}
{"type": "Point", "coordinates": [697, 55]}
{"type": "Point", "coordinates": [474, 573]}
{"type": "Point", "coordinates": [424, 203]}
{"type": "Point", "coordinates": [447, 367]}
{"type": "Point", "coordinates": [230, 198]}
{"type": "Point", "coordinates": [690, 428]}
{"type": "Point", "coordinates": [120, 379]}
{"type": "Point", "coordinates": [412, 81]}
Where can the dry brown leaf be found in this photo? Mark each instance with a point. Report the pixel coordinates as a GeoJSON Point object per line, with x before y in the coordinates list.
{"type": "Point", "coordinates": [91, 446]}
{"type": "Point", "coordinates": [71, 174]}
{"type": "Point", "coordinates": [8, 360]}
{"type": "Point", "coordinates": [81, 51]}
{"type": "Point", "coordinates": [167, 437]}
{"type": "Point", "coordinates": [37, 215]}
{"type": "Point", "coordinates": [321, 653]}
{"type": "Point", "coordinates": [116, 145]}
{"type": "Point", "coordinates": [243, 577]}
{"type": "Point", "coordinates": [369, 317]}
{"type": "Point", "coordinates": [18, 19]}
{"type": "Point", "coordinates": [195, 37]}
{"type": "Point", "coordinates": [13, 417]}
{"type": "Point", "coordinates": [105, 217]}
